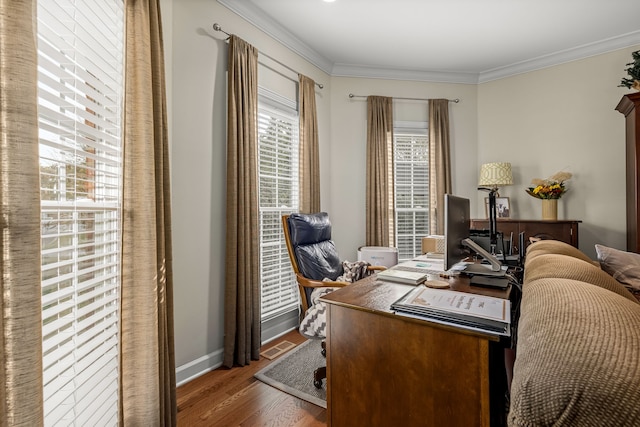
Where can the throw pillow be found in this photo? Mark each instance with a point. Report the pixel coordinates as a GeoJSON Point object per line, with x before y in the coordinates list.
{"type": "Point", "coordinates": [623, 266]}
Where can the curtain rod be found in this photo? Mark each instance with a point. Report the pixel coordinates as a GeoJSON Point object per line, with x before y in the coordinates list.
{"type": "Point", "coordinates": [217, 27]}
{"type": "Point", "coordinates": [457, 100]}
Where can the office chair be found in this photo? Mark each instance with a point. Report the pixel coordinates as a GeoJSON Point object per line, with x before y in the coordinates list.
{"type": "Point", "coordinates": [314, 258]}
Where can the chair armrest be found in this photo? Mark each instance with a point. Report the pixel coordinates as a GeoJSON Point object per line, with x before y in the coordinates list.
{"type": "Point", "coordinates": [309, 283]}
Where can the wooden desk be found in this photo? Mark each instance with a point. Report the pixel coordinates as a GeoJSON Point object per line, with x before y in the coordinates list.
{"type": "Point", "coordinates": [388, 370]}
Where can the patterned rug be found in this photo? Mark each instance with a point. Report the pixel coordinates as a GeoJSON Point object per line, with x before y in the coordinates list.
{"type": "Point", "coordinates": [293, 373]}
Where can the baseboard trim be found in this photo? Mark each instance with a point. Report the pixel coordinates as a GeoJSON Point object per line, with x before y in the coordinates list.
{"type": "Point", "coordinates": [192, 370]}
{"type": "Point", "coordinates": [280, 325]}
{"type": "Point", "coordinates": [271, 330]}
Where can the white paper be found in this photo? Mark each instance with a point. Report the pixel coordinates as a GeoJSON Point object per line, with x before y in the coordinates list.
{"type": "Point", "coordinates": [425, 266]}
{"type": "Point", "coordinates": [462, 303]}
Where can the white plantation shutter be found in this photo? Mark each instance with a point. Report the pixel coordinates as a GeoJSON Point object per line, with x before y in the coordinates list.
{"type": "Point", "coordinates": [278, 184]}
{"type": "Point", "coordinates": [411, 184]}
{"type": "Point", "coordinates": [80, 90]}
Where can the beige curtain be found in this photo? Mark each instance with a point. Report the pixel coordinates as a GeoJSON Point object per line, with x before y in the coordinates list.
{"type": "Point", "coordinates": [20, 281]}
{"type": "Point", "coordinates": [242, 285]}
{"type": "Point", "coordinates": [439, 162]}
{"type": "Point", "coordinates": [379, 196]}
{"type": "Point", "coordinates": [309, 152]}
{"type": "Point", "coordinates": [147, 377]}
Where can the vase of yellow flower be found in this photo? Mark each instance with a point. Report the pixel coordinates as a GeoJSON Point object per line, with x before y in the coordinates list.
{"type": "Point", "coordinates": [550, 209]}
{"type": "Point", "coordinates": [549, 190]}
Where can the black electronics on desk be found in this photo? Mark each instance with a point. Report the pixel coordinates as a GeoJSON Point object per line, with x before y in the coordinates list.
{"type": "Point", "coordinates": [505, 247]}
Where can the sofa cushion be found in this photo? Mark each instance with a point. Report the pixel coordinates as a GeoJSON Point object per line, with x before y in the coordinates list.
{"type": "Point", "coordinates": [544, 266]}
{"type": "Point", "coordinates": [555, 247]}
{"type": "Point", "coordinates": [623, 266]}
{"type": "Point", "coordinates": [577, 360]}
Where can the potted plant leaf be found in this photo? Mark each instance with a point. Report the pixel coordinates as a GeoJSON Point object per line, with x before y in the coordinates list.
{"type": "Point", "coordinates": [633, 70]}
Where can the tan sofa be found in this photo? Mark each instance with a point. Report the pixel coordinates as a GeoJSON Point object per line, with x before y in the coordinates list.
{"type": "Point", "coordinates": [578, 344]}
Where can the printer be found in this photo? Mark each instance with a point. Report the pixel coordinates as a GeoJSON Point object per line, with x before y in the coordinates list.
{"type": "Point", "coordinates": [378, 255]}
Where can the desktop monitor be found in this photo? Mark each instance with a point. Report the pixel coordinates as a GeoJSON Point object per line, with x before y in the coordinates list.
{"type": "Point", "coordinates": [458, 243]}
{"type": "Point", "coordinates": [456, 229]}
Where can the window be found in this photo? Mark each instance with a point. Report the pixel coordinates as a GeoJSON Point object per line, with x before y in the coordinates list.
{"type": "Point", "coordinates": [278, 188]}
{"type": "Point", "coordinates": [80, 91]}
{"type": "Point", "coordinates": [411, 185]}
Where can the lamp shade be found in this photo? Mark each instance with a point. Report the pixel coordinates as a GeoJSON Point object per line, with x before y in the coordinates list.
{"type": "Point", "coordinates": [495, 174]}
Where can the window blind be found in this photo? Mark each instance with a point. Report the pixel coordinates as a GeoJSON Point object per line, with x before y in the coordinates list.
{"type": "Point", "coordinates": [278, 187]}
{"type": "Point", "coordinates": [80, 91]}
{"type": "Point", "coordinates": [411, 185]}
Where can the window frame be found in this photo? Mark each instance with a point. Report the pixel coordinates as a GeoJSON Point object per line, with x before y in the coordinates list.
{"type": "Point", "coordinates": [80, 106]}
{"type": "Point", "coordinates": [276, 272]}
{"type": "Point", "coordinates": [409, 243]}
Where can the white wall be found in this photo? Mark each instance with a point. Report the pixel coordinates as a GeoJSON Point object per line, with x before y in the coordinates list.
{"type": "Point", "coordinates": [559, 118]}
{"type": "Point", "coordinates": [562, 118]}
{"type": "Point", "coordinates": [198, 151]}
{"type": "Point", "coordinates": [347, 171]}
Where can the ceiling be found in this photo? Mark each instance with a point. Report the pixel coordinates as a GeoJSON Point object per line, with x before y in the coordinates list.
{"type": "Point", "coordinates": [463, 41]}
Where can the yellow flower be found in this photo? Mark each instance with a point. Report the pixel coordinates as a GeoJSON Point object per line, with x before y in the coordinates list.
{"type": "Point", "coordinates": [550, 188]}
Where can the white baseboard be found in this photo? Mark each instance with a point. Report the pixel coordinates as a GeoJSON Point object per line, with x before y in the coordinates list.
{"type": "Point", "coordinates": [271, 330]}
{"type": "Point", "coordinates": [278, 326]}
{"type": "Point", "coordinates": [192, 370]}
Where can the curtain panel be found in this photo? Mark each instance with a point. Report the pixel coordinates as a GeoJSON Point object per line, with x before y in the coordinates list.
{"type": "Point", "coordinates": [309, 151]}
{"type": "Point", "coordinates": [242, 282]}
{"type": "Point", "coordinates": [147, 365]}
{"type": "Point", "coordinates": [439, 162]}
{"type": "Point", "coordinates": [21, 393]}
{"type": "Point", "coordinates": [379, 194]}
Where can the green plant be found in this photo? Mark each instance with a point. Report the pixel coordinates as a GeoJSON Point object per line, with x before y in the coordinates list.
{"type": "Point", "coordinates": [633, 70]}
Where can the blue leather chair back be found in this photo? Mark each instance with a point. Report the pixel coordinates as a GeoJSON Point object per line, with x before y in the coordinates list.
{"type": "Point", "coordinates": [315, 252]}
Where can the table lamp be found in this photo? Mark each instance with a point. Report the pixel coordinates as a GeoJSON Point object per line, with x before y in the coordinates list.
{"type": "Point", "coordinates": [492, 176]}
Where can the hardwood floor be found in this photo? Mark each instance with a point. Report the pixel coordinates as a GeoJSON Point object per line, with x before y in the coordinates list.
{"type": "Point", "coordinates": [233, 397]}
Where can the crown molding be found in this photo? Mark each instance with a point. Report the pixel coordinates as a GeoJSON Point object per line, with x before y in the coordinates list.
{"type": "Point", "coordinates": [247, 11]}
{"type": "Point", "coordinates": [363, 71]}
{"type": "Point", "coordinates": [278, 32]}
{"type": "Point", "coordinates": [557, 58]}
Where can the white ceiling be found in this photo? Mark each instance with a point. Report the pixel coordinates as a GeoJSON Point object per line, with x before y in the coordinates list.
{"type": "Point", "coordinates": [465, 41]}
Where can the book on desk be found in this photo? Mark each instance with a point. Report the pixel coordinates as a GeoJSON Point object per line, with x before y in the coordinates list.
{"type": "Point", "coordinates": [413, 272]}
{"type": "Point", "coordinates": [471, 311]}
{"type": "Point", "coordinates": [403, 276]}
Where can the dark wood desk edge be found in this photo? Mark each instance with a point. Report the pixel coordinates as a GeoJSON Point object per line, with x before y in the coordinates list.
{"type": "Point", "coordinates": [372, 296]}
{"type": "Point", "coordinates": [556, 221]}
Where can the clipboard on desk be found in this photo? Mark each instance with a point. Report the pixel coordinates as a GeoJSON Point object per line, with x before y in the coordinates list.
{"type": "Point", "coordinates": [476, 312]}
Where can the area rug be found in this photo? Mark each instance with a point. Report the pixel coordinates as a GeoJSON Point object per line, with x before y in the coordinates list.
{"type": "Point", "coordinates": [293, 373]}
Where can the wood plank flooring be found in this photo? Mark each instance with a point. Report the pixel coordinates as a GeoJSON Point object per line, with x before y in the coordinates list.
{"type": "Point", "coordinates": [233, 397]}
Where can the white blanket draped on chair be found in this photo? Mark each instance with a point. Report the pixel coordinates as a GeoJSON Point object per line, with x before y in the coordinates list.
{"type": "Point", "coordinates": [314, 323]}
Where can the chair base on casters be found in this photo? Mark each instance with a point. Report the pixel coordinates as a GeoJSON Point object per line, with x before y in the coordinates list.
{"type": "Point", "coordinates": [320, 373]}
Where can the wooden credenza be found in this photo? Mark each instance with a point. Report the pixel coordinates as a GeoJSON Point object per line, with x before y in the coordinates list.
{"type": "Point", "coordinates": [385, 369]}
{"type": "Point", "coordinates": [629, 105]}
{"type": "Point", "coordinates": [564, 230]}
